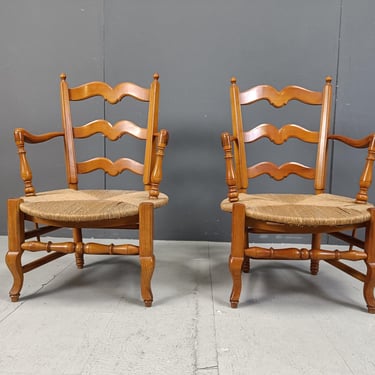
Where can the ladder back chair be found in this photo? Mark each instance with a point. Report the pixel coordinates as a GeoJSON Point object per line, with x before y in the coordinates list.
{"type": "Point", "coordinates": [76, 208]}
{"type": "Point", "coordinates": [316, 212]}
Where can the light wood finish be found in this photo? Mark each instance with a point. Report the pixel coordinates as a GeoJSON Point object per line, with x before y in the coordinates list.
{"type": "Point", "coordinates": [79, 209]}
{"type": "Point", "coordinates": [317, 213]}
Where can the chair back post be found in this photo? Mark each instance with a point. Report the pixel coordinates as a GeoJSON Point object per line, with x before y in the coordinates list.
{"type": "Point", "coordinates": [152, 131]}
{"type": "Point", "coordinates": [321, 156]}
{"type": "Point", "coordinates": [70, 156]}
{"type": "Point", "coordinates": [238, 139]}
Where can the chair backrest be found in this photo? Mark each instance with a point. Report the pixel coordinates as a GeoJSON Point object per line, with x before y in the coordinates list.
{"type": "Point", "coordinates": [278, 136]}
{"type": "Point", "coordinates": [148, 133]}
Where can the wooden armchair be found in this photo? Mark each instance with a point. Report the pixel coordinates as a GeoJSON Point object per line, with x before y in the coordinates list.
{"type": "Point", "coordinates": [100, 208]}
{"type": "Point", "coordinates": [316, 213]}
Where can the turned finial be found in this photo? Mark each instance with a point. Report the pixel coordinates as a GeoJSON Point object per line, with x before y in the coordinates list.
{"type": "Point", "coordinates": [63, 76]}
{"type": "Point", "coordinates": [233, 80]}
{"type": "Point", "coordinates": [328, 79]}
{"type": "Point", "coordinates": [156, 76]}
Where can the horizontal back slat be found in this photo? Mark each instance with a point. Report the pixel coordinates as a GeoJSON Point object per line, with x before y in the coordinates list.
{"type": "Point", "coordinates": [111, 94]}
{"type": "Point", "coordinates": [112, 132]}
{"type": "Point", "coordinates": [280, 98]}
{"type": "Point", "coordinates": [110, 167]}
{"type": "Point", "coordinates": [282, 171]}
{"type": "Point", "coordinates": [281, 135]}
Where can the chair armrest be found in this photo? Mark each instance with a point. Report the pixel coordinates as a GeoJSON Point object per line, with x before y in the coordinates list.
{"type": "Point", "coordinates": [157, 170]}
{"type": "Point", "coordinates": [230, 177]}
{"type": "Point", "coordinates": [366, 176]}
{"type": "Point", "coordinates": [22, 136]}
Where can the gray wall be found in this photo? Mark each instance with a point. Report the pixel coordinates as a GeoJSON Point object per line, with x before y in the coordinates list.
{"type": "Point", "coordinates": [196, 46]}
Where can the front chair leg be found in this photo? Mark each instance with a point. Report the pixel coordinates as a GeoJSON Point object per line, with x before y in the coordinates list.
{"type": "Point", "coordinates": [237, 255]}
{"type": "Point", "coordinates": [147, 270]}
{"type": "Point", "coordinates": [16, 230]}
{"type": "Point", "coordinates": [146, 253]}
{"type": "Point", "coordinates": [13, 261]}
{"type": "Point", "coordinates": [369, 288]}
{"type": "Point", "coordinates": [369, 284]}
{"type": "Point", "coordinates": [235, 267]}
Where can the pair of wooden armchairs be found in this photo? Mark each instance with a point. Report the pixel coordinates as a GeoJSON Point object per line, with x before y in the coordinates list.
{"type": "Point", "coordinates": [316, 213]}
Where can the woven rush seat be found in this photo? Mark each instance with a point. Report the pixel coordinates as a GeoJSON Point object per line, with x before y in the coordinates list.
{"type": "Point", "coordinates": [87, 205]}
{"type": "Point", "coordinates": [302, 209]}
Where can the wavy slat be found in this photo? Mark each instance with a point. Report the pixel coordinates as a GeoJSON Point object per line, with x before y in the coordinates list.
{"type": "Point", "coordinates": [279, 136]}
{"type": "Point", "coordinates": [111, 94]}
{"type": "Point", "coordinates": [280, 98]}
{"type": "Point", "coordinates": [112, 132]}
{"type": "Point", "coordinates": [280, 172]}
{"type": "Point", "coordinates": [110, 167]}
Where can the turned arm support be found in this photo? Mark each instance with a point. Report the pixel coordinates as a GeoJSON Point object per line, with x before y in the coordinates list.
{"type": "Point", "coordinates": [157, 171]}
{"type": "Point", "coordinates": [366, 176]}
{"type": "Point", "coordinates": [22, 136]}
{"type": "Point", "coordinates": [230, 178]}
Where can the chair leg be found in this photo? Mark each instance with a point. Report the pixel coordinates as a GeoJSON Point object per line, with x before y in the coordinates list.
{"type": "Point", "coordinates": [236, 259]}
{"type": "Point", "coordinates": [77, 237]}
{"type": "Point", "coordinates": [246, 261]}
{"type": "Point", "coordinates": [146, 253]}
{"type": "Point", "coordinates": [369, 287]}
{"type": "Point", "coordinates": [14, 254]}
{"type": "Point", "coordinates": [13, 261]}
{"type": "Point", "coordinates": [235, 267]}
{"type": "Point", "coordinates": [314, 263]}
{"type": "Point", "coordinates": [369, 284]}
{"type": "Point", "coordinates": [246, 265]}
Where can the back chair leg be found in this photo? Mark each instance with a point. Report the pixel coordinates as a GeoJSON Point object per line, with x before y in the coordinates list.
{"type": "Point", "coordinates": [14, 254]}
{"type": "Point", "coordinates": [246, 261]}
{"type": "Point", "coordinates": [146, 253]}
{"type": "Point", "coordinates": [77, 236]}
{"type": "Point", "coordinates": [314, 263]}
{"type": "Point", "coordinates": [246, 265]}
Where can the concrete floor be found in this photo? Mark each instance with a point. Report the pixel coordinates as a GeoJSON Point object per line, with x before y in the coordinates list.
{"type": "Point", "coordinates": [92, 321]}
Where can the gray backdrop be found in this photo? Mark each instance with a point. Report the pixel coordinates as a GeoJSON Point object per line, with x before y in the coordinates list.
{"type": "Point", "coordinates": [196, 46]}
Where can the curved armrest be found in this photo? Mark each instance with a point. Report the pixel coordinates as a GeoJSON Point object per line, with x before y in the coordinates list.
{"type": "Point", "coordinates": [157, 171]}
{"type": "Point", "coordinates": [230, 178]}
{"type": "Point", "coordinates": [20, 137]}
{"type": "Point", "coordinates": [366, 176]}
{"type": "Point", "coordinates": [357, 143]}
{"type": "Point", "coordinates": [23, 135]}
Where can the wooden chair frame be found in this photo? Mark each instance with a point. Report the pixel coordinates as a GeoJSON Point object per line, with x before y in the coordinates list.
{"type": "Point", "coordinates": [20, 239]}
{"type": "Point", "coordinates": [238, 174]}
